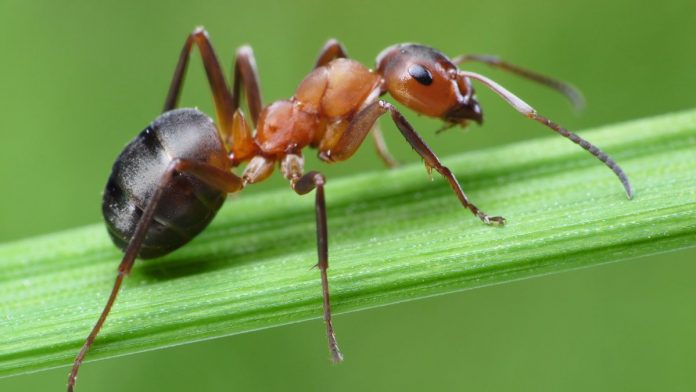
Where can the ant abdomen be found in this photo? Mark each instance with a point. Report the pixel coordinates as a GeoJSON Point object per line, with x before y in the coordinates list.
{"type": "Point", "coordinates": [187, 205]}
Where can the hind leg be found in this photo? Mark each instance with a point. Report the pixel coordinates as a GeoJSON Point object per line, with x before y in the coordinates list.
{"type": "Point", "coordinates": [213, 176]}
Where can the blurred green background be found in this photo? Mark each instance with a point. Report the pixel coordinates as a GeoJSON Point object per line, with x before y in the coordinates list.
{"type": "Point", "coordinates": [78, 79]}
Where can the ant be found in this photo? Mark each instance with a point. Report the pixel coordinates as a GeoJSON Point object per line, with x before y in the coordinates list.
{"type": "Point", "coordinates": [171, 179]}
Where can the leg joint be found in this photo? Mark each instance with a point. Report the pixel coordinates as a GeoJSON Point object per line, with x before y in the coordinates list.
{"type": "Point", "coordinates": [199, 31]}
{"type": "Point", "coordinates": [244, 51]}
{"type": "Point", "coordinates": [308, 182]}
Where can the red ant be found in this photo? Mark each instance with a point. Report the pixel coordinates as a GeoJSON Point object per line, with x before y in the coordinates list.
{"type": "Point", "coordinates": [169, 182]}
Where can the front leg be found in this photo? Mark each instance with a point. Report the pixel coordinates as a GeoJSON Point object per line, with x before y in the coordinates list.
{"type": "Point", "coordinates": [333, 50]}
{"type": "Point", "coordinates": [381, 147]}
{"type": "Point", "coordinates": [361, 125]}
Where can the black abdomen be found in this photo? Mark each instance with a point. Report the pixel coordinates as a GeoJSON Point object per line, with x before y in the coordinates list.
{"type": "Point", "coordinates": [187, 204]}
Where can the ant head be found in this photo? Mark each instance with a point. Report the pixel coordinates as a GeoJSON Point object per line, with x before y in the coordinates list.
{"type": "Point", "coordinates": [429, 83]}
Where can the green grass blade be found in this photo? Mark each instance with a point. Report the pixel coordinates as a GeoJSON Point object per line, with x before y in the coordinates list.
{"type": "Point", "coordinates": [394, 236]}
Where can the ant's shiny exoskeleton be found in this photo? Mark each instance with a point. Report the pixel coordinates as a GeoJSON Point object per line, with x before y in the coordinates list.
{"type": "Point", "coordinates": [169, 182]}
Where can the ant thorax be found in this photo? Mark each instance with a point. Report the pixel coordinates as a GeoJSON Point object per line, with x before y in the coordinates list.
{"type": "Point", "coordinates": [320, 111]}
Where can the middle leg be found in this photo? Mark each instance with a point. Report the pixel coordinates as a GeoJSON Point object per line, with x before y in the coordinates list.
{"type": "Point", "coordinates": [332, 50]}
{"type": "Point", "coordinates": [381, 147]}
{"type": "Point", "coordinates": [246, 74]}
{"type": "Point", "coordinates": [293, 168]}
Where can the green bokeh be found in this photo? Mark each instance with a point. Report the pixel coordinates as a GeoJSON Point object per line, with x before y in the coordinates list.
{"type": "Point", "coordinates": [79, 79]}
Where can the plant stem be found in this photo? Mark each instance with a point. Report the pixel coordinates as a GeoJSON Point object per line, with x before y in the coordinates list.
{"type": "Point", "coordinates": [394, 236]}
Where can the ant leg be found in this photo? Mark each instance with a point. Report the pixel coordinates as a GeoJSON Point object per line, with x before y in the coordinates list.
{"type": "Point", "coordinates": [574, 95]}
{"type": "Point", "coordinates": [246, 73]}
{"type": "Point", "coordinates": [220, 179]}
{"type": "Point", "coordinates": [293, 167]}
{"type": "Point", "coordinates": [239, 138]}
{"type": "Point", "coordinates": [221, 95]}
{"type": "Point", "coordinates": [433, 162]}
{"type": "Point", "coordinates": [332, 50]}
{"type": "Point", "coordinates": [258, 169]}
{"type": "Point", "coordinates": [240, 141]}
{"type": "Point", "coordinates": [381, 147]}
{"type": "Point", "coordinates": [361, 125]}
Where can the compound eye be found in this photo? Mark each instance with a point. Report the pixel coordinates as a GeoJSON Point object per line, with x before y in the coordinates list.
{"type": "Point", "coordinates": [421, 74]}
